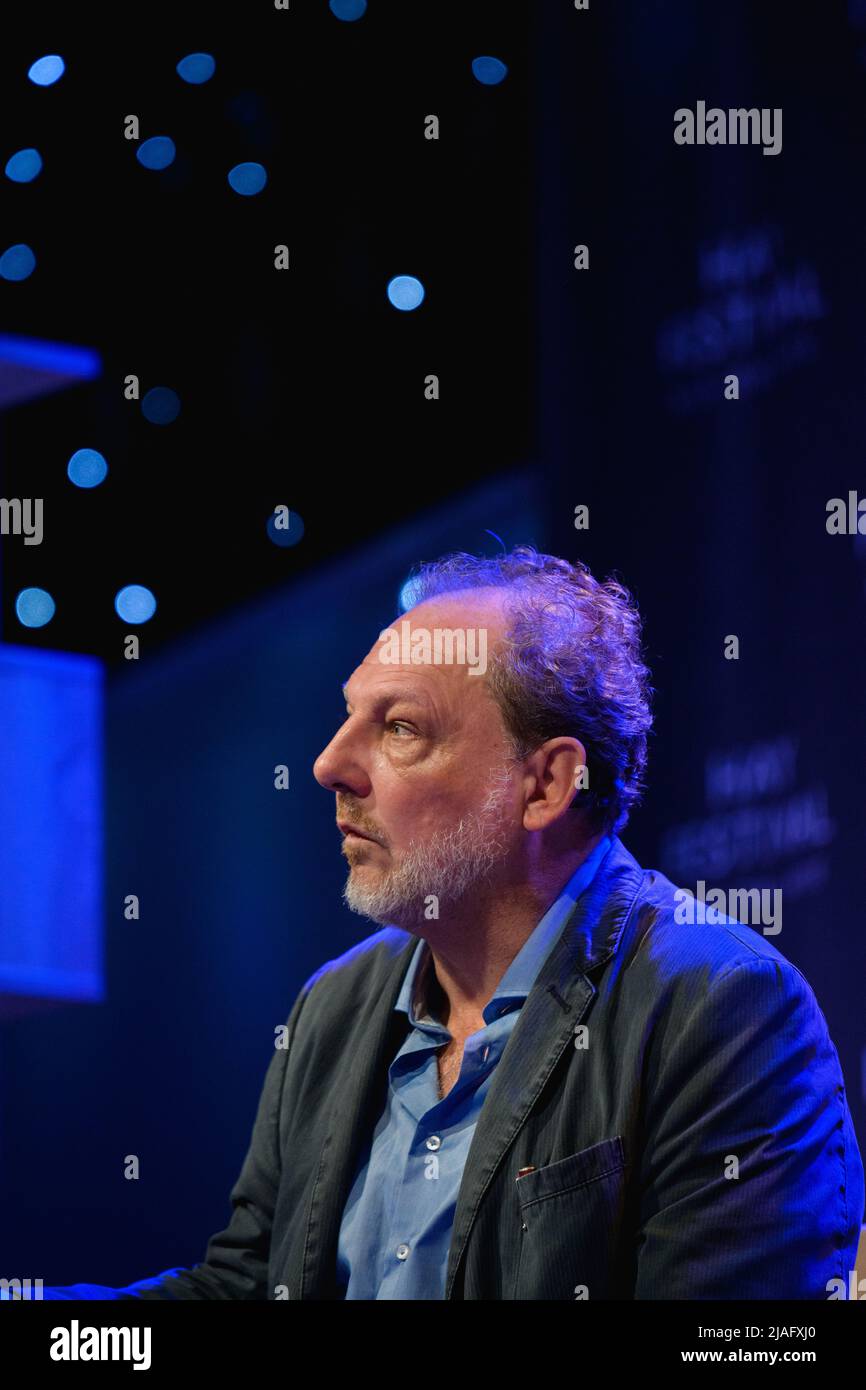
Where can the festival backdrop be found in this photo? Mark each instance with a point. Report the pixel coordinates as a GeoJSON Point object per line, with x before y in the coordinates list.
{"type": "Point", "coordinates": [638, 350]}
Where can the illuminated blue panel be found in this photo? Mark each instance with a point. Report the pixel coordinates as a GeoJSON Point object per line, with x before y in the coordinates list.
{"type": "Point", "coordinates": [45, 71]}
{"type": "Point", "coordinates": [23, 166]}
{"type": "Point", "coordinates": [196, 68]}
{"type": "Point", "coordinates": [51, 826]}
{"type": "Point", "coordinates": [489, 71]}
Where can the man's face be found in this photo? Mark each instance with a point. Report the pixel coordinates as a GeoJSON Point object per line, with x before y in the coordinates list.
{"type": "Point", "coordinates": [421, 765]}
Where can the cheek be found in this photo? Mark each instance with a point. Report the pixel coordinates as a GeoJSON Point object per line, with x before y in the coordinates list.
{"type": "Point", "coordinates": [415, 807]}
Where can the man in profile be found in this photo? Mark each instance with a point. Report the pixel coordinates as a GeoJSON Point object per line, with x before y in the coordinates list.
{"type": "Point", "coordinates": [534, 1082]}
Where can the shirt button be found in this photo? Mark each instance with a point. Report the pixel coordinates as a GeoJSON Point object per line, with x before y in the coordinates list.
{"type": "Point", "coordinates": [402, 1252]}
{"type": "Point", "coordinates": [434, 1142]}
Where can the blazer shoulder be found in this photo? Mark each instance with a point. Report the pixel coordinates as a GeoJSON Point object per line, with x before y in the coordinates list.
{"type": "Point", "coordinates": [678, 933]}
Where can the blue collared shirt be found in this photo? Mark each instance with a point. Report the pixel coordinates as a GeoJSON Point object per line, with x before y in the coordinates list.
{"type": "Point", "coordinates": [396, 1228]}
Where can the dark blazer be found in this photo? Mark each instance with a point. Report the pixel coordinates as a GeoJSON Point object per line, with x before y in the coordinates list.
{"type": "Point", "coordinates": [698, 1146]}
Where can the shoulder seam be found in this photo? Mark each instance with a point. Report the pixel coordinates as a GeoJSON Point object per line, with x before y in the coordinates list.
{"type": "Point", "coordinates": [782, 964]}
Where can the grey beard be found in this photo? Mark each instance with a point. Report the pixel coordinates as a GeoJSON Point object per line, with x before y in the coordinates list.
{"type": "Point", "coordinates": [449, 866]}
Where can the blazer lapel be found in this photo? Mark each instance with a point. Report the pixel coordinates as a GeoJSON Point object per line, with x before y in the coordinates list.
{"type": "Point", "coordinates": [554, 1007]}
{"type": "Point", "coordinates": [352, 1116]}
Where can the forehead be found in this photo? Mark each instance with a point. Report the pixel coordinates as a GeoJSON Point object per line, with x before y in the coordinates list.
{"type": "Point", "coordinates": [467, 608]}
{"type": "Point", "coordinates": [478, 616]}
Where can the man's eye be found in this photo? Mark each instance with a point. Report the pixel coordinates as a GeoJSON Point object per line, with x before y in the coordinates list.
{"type": "Point", "coordinates": [398, 724]}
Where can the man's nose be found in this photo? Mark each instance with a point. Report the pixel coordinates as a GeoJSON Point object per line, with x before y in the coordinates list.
{"type": "Point", "coordinates": [323, 767]}
{"type": "Point", "coordinates": [337, 769]}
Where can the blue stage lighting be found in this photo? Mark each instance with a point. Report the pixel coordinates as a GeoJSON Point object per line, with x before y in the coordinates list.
{"type": "Point", "coordinates": [23, 166]}
{"type": "Point", "coordinates": [135, 604]}
{"type": "Point", "coordinates": [405, 292]}
{"type": "Point", "coordinates": [87, 468]}
{"type": "Point", "coordinates": [34, 607]}
{"type": "Point", "coordinates": [347, 9]}
{"type": "Point", "coordinates": [46, 70]}
{"type": "Point", "coordinates": [248, 179]}
{"type": "Point", "coordinates": [62, 358]}
{"type": "Point", "coordinates": [288, 536]}
{"type": "Point", "coordinates": [51, 794]}
{"type": "Point", "coordinates": [17, 262]}
{"type": "Point", "coordinates": [489, 71]}
{"type": "Point", "coordinates": [160, 405]}
{"type": "Point", "coordinates": [196, 68]}
{"type": "Point", "coordinates": [157, 152]}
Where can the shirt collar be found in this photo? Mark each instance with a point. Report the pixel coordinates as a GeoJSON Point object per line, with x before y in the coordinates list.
{"type": "Point", "coordinates": [523, 970]}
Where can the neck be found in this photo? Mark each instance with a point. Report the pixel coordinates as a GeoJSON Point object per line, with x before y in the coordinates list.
{"type": "Point", "coordinates": [472, 946]}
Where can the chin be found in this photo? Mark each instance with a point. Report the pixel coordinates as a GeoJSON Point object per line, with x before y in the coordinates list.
{"type": "Point", "coordinates": [366, 907]}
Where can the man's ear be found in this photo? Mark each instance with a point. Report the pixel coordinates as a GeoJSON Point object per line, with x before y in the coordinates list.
{"type": "Point", "coordinates": [555, 772]}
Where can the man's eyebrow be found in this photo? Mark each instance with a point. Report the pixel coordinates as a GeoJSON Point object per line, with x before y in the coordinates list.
{"type": "Point", "coordinates": [398, 692]}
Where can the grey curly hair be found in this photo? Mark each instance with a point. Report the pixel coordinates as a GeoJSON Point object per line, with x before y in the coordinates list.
{"type": "Point", "coordinates": [571, 664]}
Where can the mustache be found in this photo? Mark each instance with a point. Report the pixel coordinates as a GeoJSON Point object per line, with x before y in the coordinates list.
{"type": "Point", "coordinates": [352, 817]}
{"type": "Point", "coordinates": [345, 814]}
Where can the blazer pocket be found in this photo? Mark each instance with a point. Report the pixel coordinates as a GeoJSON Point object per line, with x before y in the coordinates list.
{"type": "Point", "coordinates": [574, 1171]}
{"type": "Point", "coordinates": [571, 1215]}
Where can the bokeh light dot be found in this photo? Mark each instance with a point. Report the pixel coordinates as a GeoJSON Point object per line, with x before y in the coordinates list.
{"type": "Point", "coordinates": [17, 262]}
{"type": "Point", "coordinates": [135, 604]}
{"type": "Point", "coordinates": [347, 10]}
{"type": "Point", "coordinates": [34, 607]}
{"type": "Point", "coordinates": [285, 536]}
{"type": "Point", "coordinates": [405, 292]}
{"type": "Point", "coordinates": [489, 71]}
{"type": "Point", "coordinates": [47, 70]}
{"type": "Point", "coordinates": [196, 68]}
{"type": "Point", "coordinates": [23, 166]}
{"type": "Point", "coordinates": [248, 179]}
{"type": "Point", "coordinates": [157, 152]}
{"type": "Point", "coordinates": [160, 405]}
{"type": "Point", "coordinates": [87, 468]}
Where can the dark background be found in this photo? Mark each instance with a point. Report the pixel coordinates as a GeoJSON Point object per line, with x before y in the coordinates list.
{"type": "Point", "coordinates": [559, 387]}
